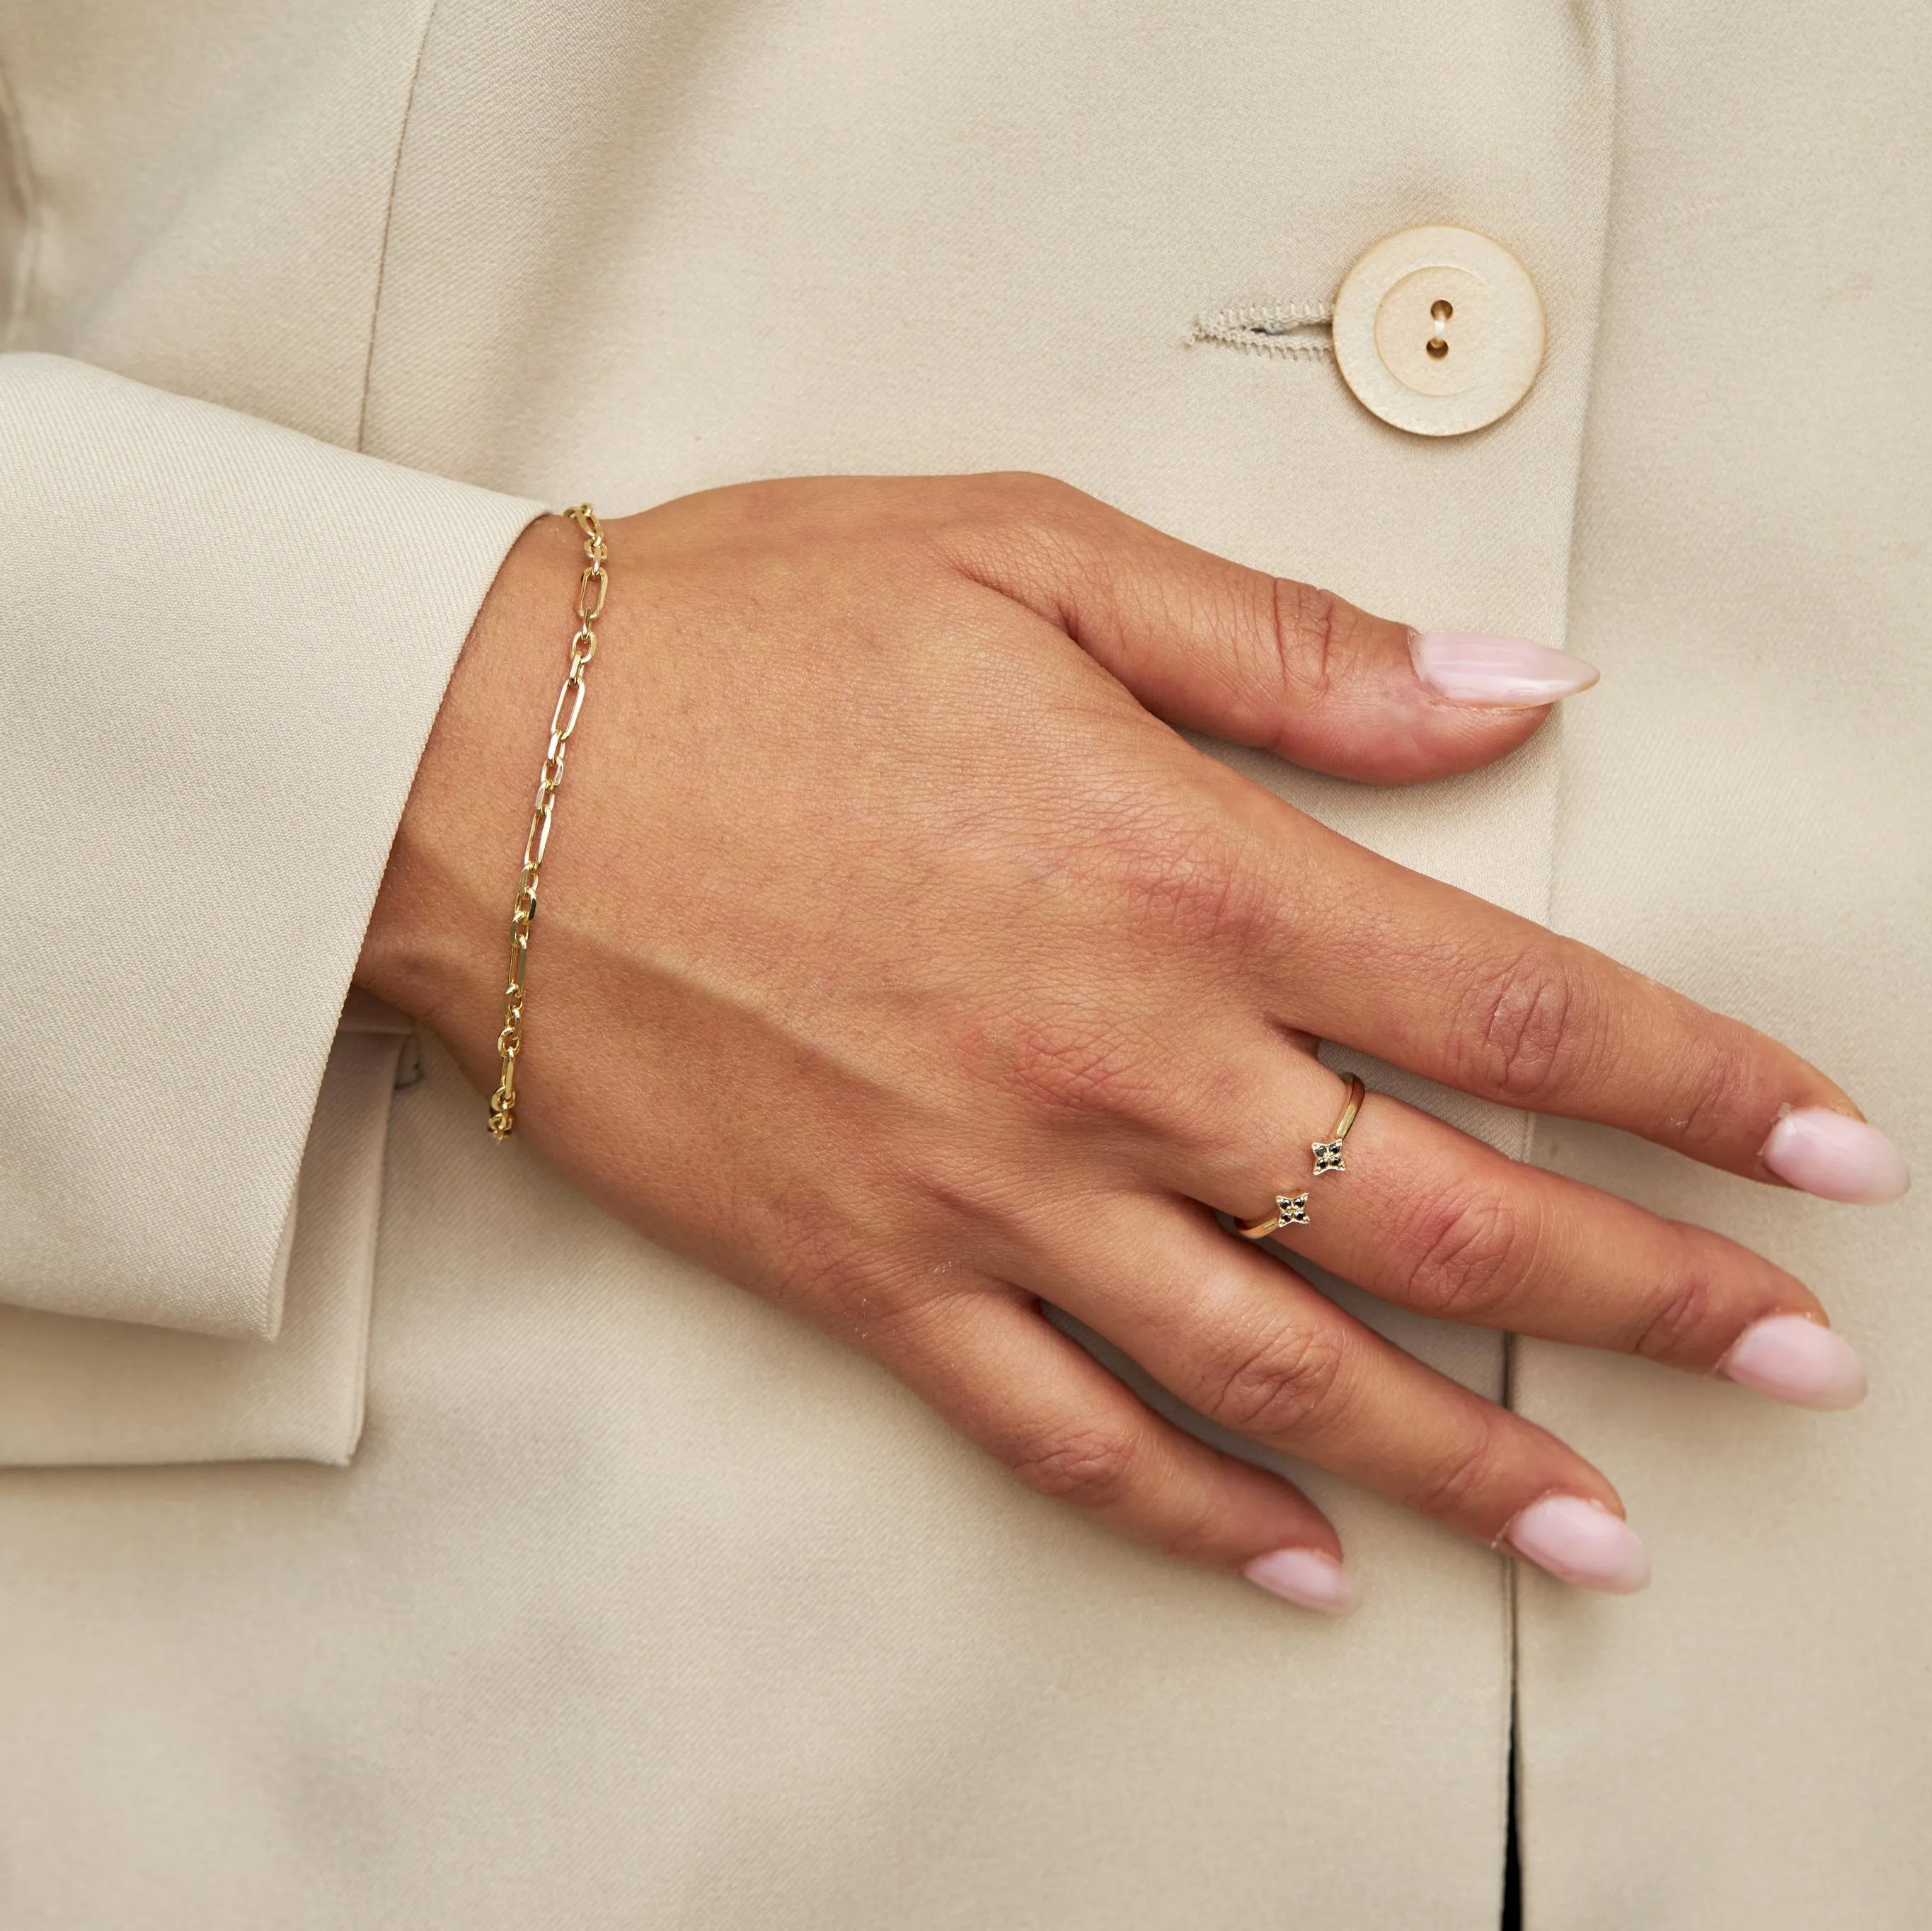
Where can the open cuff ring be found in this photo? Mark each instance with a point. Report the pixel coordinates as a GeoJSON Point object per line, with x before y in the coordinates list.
{"type": "Point", "coordinates": [1291, 1209]}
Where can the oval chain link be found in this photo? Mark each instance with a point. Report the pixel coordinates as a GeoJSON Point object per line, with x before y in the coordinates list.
{"type": "Point", "coordinates": [592, 585]}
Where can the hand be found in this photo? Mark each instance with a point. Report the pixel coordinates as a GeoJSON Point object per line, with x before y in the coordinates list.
{"type": "Point", "coordinates": [899, 962]}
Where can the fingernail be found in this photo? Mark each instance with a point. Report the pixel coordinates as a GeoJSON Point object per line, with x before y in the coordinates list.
{"type": "Point", "coordinates": [1581, 1542]}
{"type": "Point", "coordinates": [1306, 1576]}
{"type": "Point", "coordinates": [1469, 667]}
{"type": "Point", "coordinates": [1836, 1157]}
{"type": "Point", "coordinates": [1791, 1358]}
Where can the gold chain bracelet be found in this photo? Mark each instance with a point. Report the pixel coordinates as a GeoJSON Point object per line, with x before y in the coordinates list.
{"type": "Point", "coordinates": [591, 585]}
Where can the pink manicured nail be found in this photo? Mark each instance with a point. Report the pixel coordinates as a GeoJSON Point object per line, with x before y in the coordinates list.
{"type": "Point", "coordinates": [1835, 1157]}
{"type": "Point", "coordinates": [1304, 1576]}
{"type": "Point", "coordinates": [1789, 1357]}
{"type": "Point", "coordinates": [1469, 667]}
{"type": "Point", "coordinates": [1581, 1542]}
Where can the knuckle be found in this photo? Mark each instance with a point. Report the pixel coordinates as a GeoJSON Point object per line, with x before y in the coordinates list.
{"type": "Point", "coordinates": [1526, 1027]}
{"type": "Point", "coordinates": [1086, 1464]}
{"type": "Point", "coordinates": [1672, 1329]}
{"type": "Point", "coordinates": [1280, 1388]}
{"type": "Point", "coordinates": [839, 1281]}
{"type": "Point", "coordinates": [1197, 1531]}
{"type": "Point", "coordinates": [810, 1262]}
{"type": "Point", "coordinates": [1086, 1067]}
{"type": "Point", "coordinates": [1024, 532]}
{"type": "Point", "coordinates": [1107, 1076]}
{"type": "Point", "coordinates": [961, 1198]}
{"type": "Point", "coordinates": [1451, 1488]}
{"type": "Point", "coordinates": [1033, 505]}
{"type": "Point", "coordinates": [1193, 883]}
{"type": "Point", "coordinates": [1473, 1253]}
{"type": "Point", "coordinates": [1719, 1088]}
{"type": "Point", "coordinates": [1212, 1104]}
{"type": "Point", "coordinates": [1181, 879]}
{"type": "Point", "coordinates": [1310, 626]}
{"type": "Point", "coordinates": [1034, 488]}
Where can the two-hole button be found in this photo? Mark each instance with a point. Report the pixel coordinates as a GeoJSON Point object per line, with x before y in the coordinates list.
{"type": "Point", "coordinates": [1438, 331]}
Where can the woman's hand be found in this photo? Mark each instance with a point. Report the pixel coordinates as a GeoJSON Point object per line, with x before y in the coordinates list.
{"type": "Point", "coordinates": [898, 961]}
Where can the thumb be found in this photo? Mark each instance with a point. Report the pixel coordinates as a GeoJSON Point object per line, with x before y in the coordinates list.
{"type": "Point", "coordinates": [1254, 659]}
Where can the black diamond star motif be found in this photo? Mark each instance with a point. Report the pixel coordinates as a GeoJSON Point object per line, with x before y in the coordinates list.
{"type": "Point", "coordinates": [1293, 1209]}
{"type": "Point", "coordinates": [1328, 1157]}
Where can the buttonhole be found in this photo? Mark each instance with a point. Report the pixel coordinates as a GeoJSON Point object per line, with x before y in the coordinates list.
{"type": "Point", "coordinates": [1298, 330]}
{"type": "Point", "coordinates": [1441, 311]}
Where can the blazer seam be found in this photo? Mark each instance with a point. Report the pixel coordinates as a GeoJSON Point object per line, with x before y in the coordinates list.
{"type": "Point", "coordinates": [388, 219]}
{"type": "Point", "coordinates": [1601, 13]}
{"type": "Point", "coordinates": [26, 252]}
{"type": "Point", "coordinates": [1515, 1755]}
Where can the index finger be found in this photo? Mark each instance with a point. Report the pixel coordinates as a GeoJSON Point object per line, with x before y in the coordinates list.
{"type": "Point", "coordinates": [1416, 972]}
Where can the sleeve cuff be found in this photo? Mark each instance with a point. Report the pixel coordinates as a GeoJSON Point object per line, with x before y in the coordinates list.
{"type": "Point", "coordinates": [79, 1393]}
{"type": "Point", "coordinates": [223, 644]}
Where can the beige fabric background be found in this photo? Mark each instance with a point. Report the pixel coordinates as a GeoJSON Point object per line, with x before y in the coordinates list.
{"type": "Point", "coordinates": [638, 1604]}
{"type": "Point", "coordinates": [1747, 814]}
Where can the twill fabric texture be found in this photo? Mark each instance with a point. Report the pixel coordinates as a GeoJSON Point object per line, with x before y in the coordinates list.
{"type": "Point", "coordinates": [390, 1537]}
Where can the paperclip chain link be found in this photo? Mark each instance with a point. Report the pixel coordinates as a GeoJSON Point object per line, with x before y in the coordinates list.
{"type": "Point", "coordinates": [592, 585]}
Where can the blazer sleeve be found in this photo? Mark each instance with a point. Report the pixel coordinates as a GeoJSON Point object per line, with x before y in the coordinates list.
{"type": "Point", "coordinates": [222, 644]}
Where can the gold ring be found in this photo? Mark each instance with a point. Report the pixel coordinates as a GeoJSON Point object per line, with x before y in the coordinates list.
{"type": "Point", "coordinates": [1328, 1153]}
{"type": "Point", "coordinates": [1291, 1209]}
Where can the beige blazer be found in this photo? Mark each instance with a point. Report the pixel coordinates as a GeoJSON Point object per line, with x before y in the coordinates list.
{"type": "Point", "coordinates": [393, 1540]}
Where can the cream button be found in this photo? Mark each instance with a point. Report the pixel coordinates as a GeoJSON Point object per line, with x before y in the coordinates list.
{"type": "Point", "coordinates": [1438, 331]}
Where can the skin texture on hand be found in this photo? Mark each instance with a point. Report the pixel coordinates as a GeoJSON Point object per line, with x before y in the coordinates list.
{"type": "Point", "coordinates": [899, 960]}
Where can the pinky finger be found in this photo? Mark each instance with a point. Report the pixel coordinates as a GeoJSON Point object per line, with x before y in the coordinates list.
{"type": "Point", "coordinates": [1039, 1402]}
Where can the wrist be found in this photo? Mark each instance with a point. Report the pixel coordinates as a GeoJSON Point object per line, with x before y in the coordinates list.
{"type": "Point", "coordinates": [438, 939]}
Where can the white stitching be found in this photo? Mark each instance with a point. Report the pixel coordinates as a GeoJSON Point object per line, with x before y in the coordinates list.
{"type": "Point", "coordinates": [1293, 331]}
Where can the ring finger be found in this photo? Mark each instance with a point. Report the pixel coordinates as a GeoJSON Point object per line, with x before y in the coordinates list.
{"type": "Point", "coordinates": [1433, 1219]}
{"type": "Point", "coordinates": [1251, 1345]}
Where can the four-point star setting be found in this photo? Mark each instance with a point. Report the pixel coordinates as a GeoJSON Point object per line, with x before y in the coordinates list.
{"type": "Point", "coordinates": [1290, 1210]}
